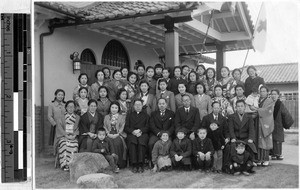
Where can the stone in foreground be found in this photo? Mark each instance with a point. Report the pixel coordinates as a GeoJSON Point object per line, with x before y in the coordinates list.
{"type": "Point", "coordinates": [86, 163]}
{"type": "Point", "coordinates": [98, 180]}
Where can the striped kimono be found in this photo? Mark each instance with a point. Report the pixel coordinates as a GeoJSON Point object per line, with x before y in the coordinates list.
{"type": "Point", "coordinates": [68, 146]}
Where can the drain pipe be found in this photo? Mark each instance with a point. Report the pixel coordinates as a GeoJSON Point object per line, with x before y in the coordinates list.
{"type": "Point", "coordinates": [42, 82]}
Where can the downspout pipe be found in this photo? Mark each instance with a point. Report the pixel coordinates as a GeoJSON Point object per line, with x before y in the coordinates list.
{"type": "Point", "coordinates": [51, 30]}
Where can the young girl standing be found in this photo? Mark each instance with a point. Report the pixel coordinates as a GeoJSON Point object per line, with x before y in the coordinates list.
{"type": "Point", "coordinates": [82, 101]}
{"type": "Point", "coordinates": [211, 81]}
{"type": "Point", "coordinates": [225, 81]}
{"type": "Point", "coordinates": [167, 95]}
{"type": "Point", "coordinates": [176, 80]}
{"type": "Point", "coordinates": [202, 101]}
{"type": "Point", "coordinates": [106, 72]}
{"type": "Point", "coordinates": [95, 86]}
{"type": "Point", "coordinates": [148, 100]}
{"type": "Point", "coordinates": [131, 86]}
{"type": "Point", "coordinates": [182, 92]}
{"type": "Point", "coordinates": [151, 81]}
{"type": "Point", "coordinates": [103, 101]}
{"type": "Point", "coordinates": [124, 71]}
{"type": "Point", "coordinates": [115, 84]}
{"type": "Point", "coordinates": [193, 78]}
{"type": "Point", "coordinates": [225, 106]}
{"type": "Point", "coordinates": [200, 69]}
{"type": "Point", "coordinates": [82, 79]}
{"type": "Point", "coordinates": [123, 101]}
{"type": "Point", "coordinates": [56, 112]}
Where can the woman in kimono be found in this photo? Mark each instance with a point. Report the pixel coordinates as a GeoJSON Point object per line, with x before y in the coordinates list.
{"type": "Point", "coordinates": [282, 120]}
{"type": "Point", "coordinates": [211, 81]}
{"type": "Point", "coordinates": [225, 106]}
{"type": "Point", "coordinates": [115, 84]}
{"type": "Point", "coordinates": [236, 74]}
{"type": "Point", "coordinates": [131, 87]}
{"type": "Point", "coordinates": [149, 100]}
{"type": "Point", "coordinates": [192, 81]}
{"type": "Point", "coordinates": [95, 86]}
{"type": "Point", "coordinates": [68, 143]}
{"type": "Point", "coordinates": [264, 127]}
{"type": "Point", "coordinates": [83, 80]}
{"type": "Point", "coordinates": [123, 101]}
{"type": "Point", "coordinates": [226, 81]}
{"type": "Point", "coordinates": [114, 124]}
{"type": "Point", "coordinates": [252, 81]}
{"type": "Point", "coordinates": [88, 126]}
{"type": "Point", "coordinates": [56, 111]}
{"type": "Point", "coordinates": [103, 101]}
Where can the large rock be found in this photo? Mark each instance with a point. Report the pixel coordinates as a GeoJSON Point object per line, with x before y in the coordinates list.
{"type": "Point", "coordinates": [86, 163]}
{"type": "Point", "coordinates": [99, 180]}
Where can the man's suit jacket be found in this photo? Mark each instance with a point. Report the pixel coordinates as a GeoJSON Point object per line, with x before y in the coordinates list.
{"type": "Point", "coordinates": [241, 130]}
{"type": "Point", "coordinates": [190, 122]}
{"type": "Point", "coordinates": [159, 123]}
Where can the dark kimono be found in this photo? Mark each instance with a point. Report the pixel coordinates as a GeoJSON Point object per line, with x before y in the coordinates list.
{"type": "Point", "coordinates": [173, 84]}
{"type": "Point", "coordinates": [252, 82]}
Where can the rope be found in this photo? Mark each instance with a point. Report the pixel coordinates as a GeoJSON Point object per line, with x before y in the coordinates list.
{"type": "Point", "coordinates": [204, 40]}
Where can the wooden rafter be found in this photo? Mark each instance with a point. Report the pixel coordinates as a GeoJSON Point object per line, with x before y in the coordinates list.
{"type": "Point", "coordinates": [236, 24]}
{"type": "Point", "coordinates": [226, 25]}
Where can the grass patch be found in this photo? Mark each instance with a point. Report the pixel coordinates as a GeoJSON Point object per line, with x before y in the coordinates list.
{"type": "Point", "coordinates": [274, 176]}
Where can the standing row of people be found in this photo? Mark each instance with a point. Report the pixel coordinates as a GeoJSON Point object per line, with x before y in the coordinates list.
{"type": "Point", "coordinates": [128, 110]}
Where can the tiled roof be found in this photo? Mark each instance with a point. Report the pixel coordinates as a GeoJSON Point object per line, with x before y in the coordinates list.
{"type": "Point", "coordinates": [112, 10]}
{"type": "Point", "coordinates": [276, 73]}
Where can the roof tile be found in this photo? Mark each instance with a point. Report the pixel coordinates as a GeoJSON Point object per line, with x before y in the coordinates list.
{"type": "Point", "coordinates": [276, 73]}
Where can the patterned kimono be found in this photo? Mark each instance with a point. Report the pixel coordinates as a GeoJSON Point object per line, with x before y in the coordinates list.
{"type": "Point", "coordinates": [103, 106]}
{"type": "Point", "coordinates": [125, 107]}
{"type": "Point", "coordinates": [224, 106]}
{"type": "Point", "coordinates": [226, 83]}
{"type": "Point", "coordinates": [76, 93]}
{"type": "Point", "coordinates": [82, 105]}
{"type": "Point", "coordinates": [210, 87]}
{"type": "Point", "coordinates": [113, 87]}
{"type": "Point", "coordinates": [68, 146]}
{"type": "Point", "coordinates": [131, 90]}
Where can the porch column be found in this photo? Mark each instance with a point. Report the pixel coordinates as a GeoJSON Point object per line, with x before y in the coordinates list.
{"type": "Point", "coordinates": [220, 59]}
{"type": "Point", "coordinates": [171, 48]}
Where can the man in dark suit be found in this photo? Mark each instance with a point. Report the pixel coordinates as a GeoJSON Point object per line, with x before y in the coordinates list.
{"type": "Point", "coordinates": [241, 127]}
{"type": "Point", "coordinates": [137, 128]}
{"type": "Point", "coordinates": [160, 120]}
{"type": "Point", "coordinates": [187, 117]}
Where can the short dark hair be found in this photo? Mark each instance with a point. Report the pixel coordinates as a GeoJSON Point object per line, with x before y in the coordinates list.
{"type": "Point", "coordinates": [101, 129]}
{"type": "Point", "coordinates": [140, 65]}
{"type": "Point", "coordinates": [202, 84]}
{"type": "Point", "coordinates": [150, 67]}
{"type": "Point", "coordinates": [224, 67]}
{"type": "Point", "coordinates": [106, 68]}
{"type": "Point", "coordinates": [83, 74]}
{"type": "Point", "coordinates": [132, 73]}
{"type": "Point", "coordinates": [115, 71]}
{"type": "Point", "coordinates": [124, 67]}
{"type": "Point", "coordinates": [251, 67]}
{"type": "Point", "coordinates": [239, 85]}
{"type": "Point", "coordinates": [161, 99]}
{"type": "Point", "coordinates": [213, 70]}
{"type": "Point", "coordinates": [96, 73]}
{"type": "Point", "coordinates": [201, 128]}
{"type": "Point", "coordinates": [81, 88]}
{"type": "Point", "coordinates": [203, 67]}
{"type": "Point", "coordinates": [57, 91]}
{"type": "Point", "coordinates": [158, 65]}
{"type": "Point", "coordinates": [137, 100]}
{"type": "Point", "coordinates": [162, 80]}
{"type": "Point", "coordinates": [275, 90]}
{"type": "Point", "coordinates": [240, 101]}
{"type": "Point", "coordinates": [184, 66]}
{"type": "Point", "coordinates": [103, 87]}
{"type": "Point", "coordinates": [69, 102]}
{"type": "Point", "coordinates": [215, 102]}
{"type": "Point", "coordinates": [144, 82]}
{"type": "Point", "coordinates": [115, 103]}
{"type": "Point", "coordinates": [197, 76]}
{"type": "Point", "coordinates": [92, 101]}
{"type": "Point", "coordinates": [120, 92]}
{"type": "Point", "coordinates": [176, 67]}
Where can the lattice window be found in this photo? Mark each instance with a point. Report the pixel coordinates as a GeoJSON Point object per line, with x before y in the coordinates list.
{"type": "Point", "coordinates": [87, 56]}
{"type": "Point", "coordinates": [289, 96]}
{"type": "Point", "coordinates": [114, 54]}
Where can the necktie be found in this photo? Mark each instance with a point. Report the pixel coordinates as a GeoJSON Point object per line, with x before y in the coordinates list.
{"type": "Point", "coordinates": [162, 113]}
{"type": "Point", "coordinates": [187, 111]}
{"type": "Point", "coordinates": [216, 118]}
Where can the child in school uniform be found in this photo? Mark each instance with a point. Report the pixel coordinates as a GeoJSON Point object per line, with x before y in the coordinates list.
{"type": "Point", "coordinates": [242, 161]}
{"type": "Point", "coordinates": [82, 101]}
{"type": "Point", "coordinates": [104, 146]}
{"type": "Point", "coordinates": [161, 153]}
{"type": "Point", "coordinates": [203, 150]}
{"type": "Point", "coordinates": [181, 150]}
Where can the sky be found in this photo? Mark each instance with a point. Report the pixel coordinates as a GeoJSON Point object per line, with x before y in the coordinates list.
{"type": "Point", "coordinates": [282, 36]}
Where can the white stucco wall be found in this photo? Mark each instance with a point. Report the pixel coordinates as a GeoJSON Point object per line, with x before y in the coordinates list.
{"type": "Point", "coordinates": [58, 66]}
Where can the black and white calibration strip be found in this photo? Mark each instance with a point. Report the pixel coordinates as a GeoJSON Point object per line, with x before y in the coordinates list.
{"type": "Point", "coordinates": [15, 95]}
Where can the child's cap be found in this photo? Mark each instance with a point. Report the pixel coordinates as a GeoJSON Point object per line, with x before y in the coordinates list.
{"type": "Point", "coordinates": [240, 143]}
{"type": "Point", "coordinates": [181, 129]}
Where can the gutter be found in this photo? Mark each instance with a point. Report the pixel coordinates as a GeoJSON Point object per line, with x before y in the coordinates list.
{"type": "Point", "coordinates": [42, 81]}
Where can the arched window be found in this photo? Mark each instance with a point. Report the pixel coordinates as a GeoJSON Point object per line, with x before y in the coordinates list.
{"type": "Point", "coordinates": [87, 56]}
{"type": "Point", "coordinates": [114, 54]}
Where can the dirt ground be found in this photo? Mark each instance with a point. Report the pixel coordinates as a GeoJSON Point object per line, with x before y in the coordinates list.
{"type": "Point", "coordinates": [265, 177]}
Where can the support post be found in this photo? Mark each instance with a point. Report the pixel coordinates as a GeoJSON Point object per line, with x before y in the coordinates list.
{"type": "Point", "coordinates": [220, 59]}
{"type": "Point", "coordinates": [171, 48]}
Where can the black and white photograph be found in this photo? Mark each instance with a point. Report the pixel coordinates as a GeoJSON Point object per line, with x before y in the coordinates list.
{"type": "Point", "coordinates": [158, 94]}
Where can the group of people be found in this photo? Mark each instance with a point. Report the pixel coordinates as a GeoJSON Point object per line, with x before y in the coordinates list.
{"type": "Point", "coordinates": [183, 119]}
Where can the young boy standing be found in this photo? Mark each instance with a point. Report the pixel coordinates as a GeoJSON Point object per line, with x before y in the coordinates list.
{"type": "Point", "coordinates": [203, 150]}
{"type": "Point", "coordinates": [181, 150]}
{"type": "Point", "coordinates": [103, 146]}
